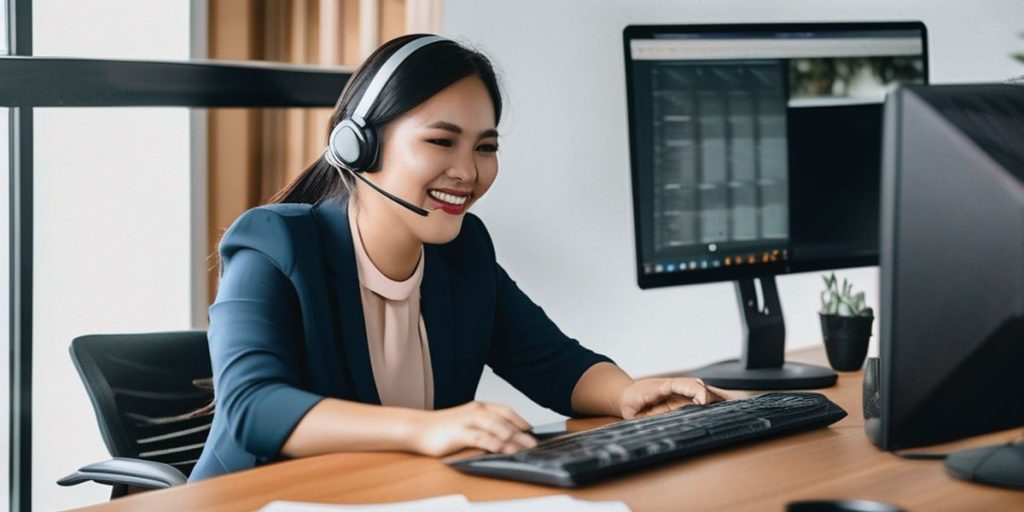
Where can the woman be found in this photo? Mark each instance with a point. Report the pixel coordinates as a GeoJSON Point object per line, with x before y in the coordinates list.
{"type": "Point", "coordinates": [357, 312]}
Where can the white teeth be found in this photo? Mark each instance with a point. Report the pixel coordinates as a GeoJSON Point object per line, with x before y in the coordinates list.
{"type": "Point", "coordinates": [448, 198]}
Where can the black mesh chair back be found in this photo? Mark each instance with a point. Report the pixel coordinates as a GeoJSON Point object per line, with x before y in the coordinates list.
{"type": "Point", "coordinates": [144, 390]}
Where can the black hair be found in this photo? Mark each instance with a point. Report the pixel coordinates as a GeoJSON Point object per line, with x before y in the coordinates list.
{"type": "Point", "coordinates": [423, 74]}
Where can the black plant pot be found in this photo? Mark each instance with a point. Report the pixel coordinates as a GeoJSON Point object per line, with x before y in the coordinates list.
{"type": "Point", "coordinates": [846, 340]}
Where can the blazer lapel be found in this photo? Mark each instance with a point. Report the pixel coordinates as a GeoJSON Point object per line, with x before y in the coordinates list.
{"type": "Point", "coordinates": [340, 255]}
{"type": "Point", "coordinates": [436, 306]}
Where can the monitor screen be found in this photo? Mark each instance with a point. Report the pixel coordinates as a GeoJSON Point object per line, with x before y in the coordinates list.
{"type": "Point", "coordinates": [755, 149]}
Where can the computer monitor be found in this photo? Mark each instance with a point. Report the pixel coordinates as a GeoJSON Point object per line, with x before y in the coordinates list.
{"type": "Point", "coordinates": [755, 151]}
{"type": "Point", "coordinates": [952, 275]}
{"type": "Point", "coordinates": [952, 264]}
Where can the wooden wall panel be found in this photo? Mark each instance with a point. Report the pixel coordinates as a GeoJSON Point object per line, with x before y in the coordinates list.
{"type": "Point", "coordinates": [350, 33]}
{"type": "Point", "coordinates": [233, 134]}
{"type": "Point", "coordinates": [392, 19]}
{"type": "Point", "coordinates": [254, 153]}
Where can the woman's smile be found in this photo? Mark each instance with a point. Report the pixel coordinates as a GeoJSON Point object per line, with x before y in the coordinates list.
{"type": "Point", "coordinates": [449, 200]}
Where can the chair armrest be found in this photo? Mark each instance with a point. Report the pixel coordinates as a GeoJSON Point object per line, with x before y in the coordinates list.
{"type": "Point", "coordinates": [124, 471]}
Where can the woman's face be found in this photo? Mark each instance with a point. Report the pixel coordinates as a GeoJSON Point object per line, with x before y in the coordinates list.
{"type": "Point", "coordinates": [439, 156]}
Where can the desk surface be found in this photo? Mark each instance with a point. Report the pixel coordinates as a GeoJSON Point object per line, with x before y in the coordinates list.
{"type": "Point", "coordinates": [830, 463]}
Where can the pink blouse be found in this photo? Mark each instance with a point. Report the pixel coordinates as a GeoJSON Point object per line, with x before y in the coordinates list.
{"type": "Point", "coordinates": [395, 332]}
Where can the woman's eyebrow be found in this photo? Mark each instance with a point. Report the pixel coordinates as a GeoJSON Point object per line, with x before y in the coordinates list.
{"type": "Point", "coordinates": [456, 129]}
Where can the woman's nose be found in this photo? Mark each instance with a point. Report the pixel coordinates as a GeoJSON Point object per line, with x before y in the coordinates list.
{"type": "Point", "coordinates": [463, 168]}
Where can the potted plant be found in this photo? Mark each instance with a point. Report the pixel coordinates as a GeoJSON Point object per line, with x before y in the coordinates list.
{"type": "Point", "coordinates": [845, 324]}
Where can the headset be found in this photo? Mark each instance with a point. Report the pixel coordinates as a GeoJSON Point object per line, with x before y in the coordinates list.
{"type": "Point", "coordinates": [353, 144]}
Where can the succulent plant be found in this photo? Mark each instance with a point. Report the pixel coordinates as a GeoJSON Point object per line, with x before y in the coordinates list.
{"type": "Point", "coordinates": [842, 301]}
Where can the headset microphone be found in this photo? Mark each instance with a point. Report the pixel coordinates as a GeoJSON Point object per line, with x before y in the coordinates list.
{"type": "Point", "coordinates": [401, 202]}
{"type": "Point", "coordinates": [353, 143]}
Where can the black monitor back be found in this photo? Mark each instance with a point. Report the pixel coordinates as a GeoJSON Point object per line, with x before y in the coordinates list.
{"type": "Point", "coordinates": [952, 263]}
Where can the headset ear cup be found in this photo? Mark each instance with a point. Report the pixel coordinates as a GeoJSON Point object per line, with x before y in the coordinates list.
{"type": "Point", "coordinates": [371, 155]}
{"type": "Point", "coordinates": [353, 142]}
{"type": "Point", "coordinates": [348, 144]}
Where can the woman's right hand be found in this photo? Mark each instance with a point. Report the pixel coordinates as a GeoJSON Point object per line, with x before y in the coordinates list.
{"type": "Point", "coordinates": [491, 427]}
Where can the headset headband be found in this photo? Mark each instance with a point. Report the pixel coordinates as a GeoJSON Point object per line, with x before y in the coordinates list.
{"type": "Point", "coordinates": [380, 79]}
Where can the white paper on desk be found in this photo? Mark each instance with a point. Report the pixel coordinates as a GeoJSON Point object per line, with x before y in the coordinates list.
{"type": "Point", "coordinates": [459, 503]}
{"type": "Point", "coordinates": [559, 503]}
{"type": "Point", "coordinates": [453, 502]}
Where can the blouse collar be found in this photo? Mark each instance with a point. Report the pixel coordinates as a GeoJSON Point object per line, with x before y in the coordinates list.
{"type": "Point", "coordinates": [371, 277]}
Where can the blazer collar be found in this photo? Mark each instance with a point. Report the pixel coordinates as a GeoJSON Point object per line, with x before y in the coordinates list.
{"type": "Point", "coordinates": [347, 311]}
{"type": "Point", "coordinates": [435, 304]}
{"type": "Point", "coordinates": [337, 237]}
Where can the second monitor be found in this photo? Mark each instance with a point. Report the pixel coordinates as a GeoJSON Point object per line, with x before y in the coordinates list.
{"type": "Point", "coordinates": [755, 151]}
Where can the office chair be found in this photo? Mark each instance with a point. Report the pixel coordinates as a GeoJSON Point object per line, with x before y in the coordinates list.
{"type": "Point", "coordinates": [152, 399]}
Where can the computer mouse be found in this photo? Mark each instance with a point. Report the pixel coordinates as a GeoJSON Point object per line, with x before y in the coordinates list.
{"type": "Point", "coordinates": [1001, 465]}
{"type": "Point", "coordinates": [549, 430]}
{"type": "Point", "coordinates": [841, 506]}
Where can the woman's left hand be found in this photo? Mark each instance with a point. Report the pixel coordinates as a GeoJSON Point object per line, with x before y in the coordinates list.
{"type": "Point", "coordinates": [647, 397]}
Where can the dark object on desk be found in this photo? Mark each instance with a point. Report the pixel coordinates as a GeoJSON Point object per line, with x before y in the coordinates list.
{"type": "Point", "coordinates": [579, 458]}
{"type": "Point", "coordinates": [549, 430]}
{"type": "Point", "coordinates": [872, 401]}
{"type": "Point", "coordinates": [1001, 465]}
{"type": "Point", "coordinates": [841, 506]}
{"type": "Point", "coordinates": [846, 340]}
{"type": "Point", "coordinates": [142, 390]}
{"type": "Point", "coordinates": [952, 278]}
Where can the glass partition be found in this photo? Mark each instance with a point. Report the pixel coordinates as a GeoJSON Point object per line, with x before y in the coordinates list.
{"type": "Point", "coordinates": [3, 27]}
{"type": "Point", "coordinates": [112, 255]}
{"type": "Point", "coordinates": [122, 230]}
{"type": "Point", "coordinates": [111, 226]}
{"type": "Point", "coordinates": [118, 247]}
{"type": "Point", "coordinates": [5, 299]}
{"type": "Point", "coordinates": [118, 29]}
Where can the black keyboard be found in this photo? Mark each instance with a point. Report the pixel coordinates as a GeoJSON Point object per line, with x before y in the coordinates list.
{"type": "Point", "coordinates": [576, 459]}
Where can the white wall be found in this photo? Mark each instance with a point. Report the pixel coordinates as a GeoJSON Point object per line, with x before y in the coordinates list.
{"type": "Point", "coordinates": [561, 211]}
{"type": "Point", "coordinates": [112, 225]}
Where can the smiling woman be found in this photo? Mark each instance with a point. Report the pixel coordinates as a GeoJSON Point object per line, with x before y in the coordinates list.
{"type": "Point", "coordinates": [438, 112]}
{"type": "Point", "coordinates": [319, 339]}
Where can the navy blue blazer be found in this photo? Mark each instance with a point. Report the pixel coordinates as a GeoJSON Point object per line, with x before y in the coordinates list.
{"type": "Point", "coordinates": [287, 329]}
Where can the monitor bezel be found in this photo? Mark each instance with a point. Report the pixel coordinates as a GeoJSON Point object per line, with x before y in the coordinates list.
{"type": "Point", "coordinates": [710, 275]}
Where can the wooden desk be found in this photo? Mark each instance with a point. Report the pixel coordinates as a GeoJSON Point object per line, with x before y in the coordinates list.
{"type": "Point", "coordinates": [830, 463]}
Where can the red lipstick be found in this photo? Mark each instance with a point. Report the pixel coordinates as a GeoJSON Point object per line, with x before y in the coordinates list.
{"type": "Point", "coordinates": [450, 208]}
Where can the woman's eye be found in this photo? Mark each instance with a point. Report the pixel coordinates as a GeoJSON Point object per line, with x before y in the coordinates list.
{"type": "Point", "coordinates": [441, 142]}
{"type": "Point", "coordinates": [487, 148]}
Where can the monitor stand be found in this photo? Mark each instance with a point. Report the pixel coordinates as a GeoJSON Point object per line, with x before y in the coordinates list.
{"type": "Point", "coordinates": [763, 364]}
{"type": "Point", "coordinates": [1001, 465]}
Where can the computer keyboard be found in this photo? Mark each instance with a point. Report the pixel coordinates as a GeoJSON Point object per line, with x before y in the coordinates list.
{"type": "Point", "coordinates": [576, 459]}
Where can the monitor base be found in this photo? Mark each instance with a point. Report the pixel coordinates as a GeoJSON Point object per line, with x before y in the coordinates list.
{"type": "Point", "coordinates": [1001, 465]}
{"type": "Point", "coordinates": [733, 374]}
{"type": "Point", "coordinates": [763, 365]}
